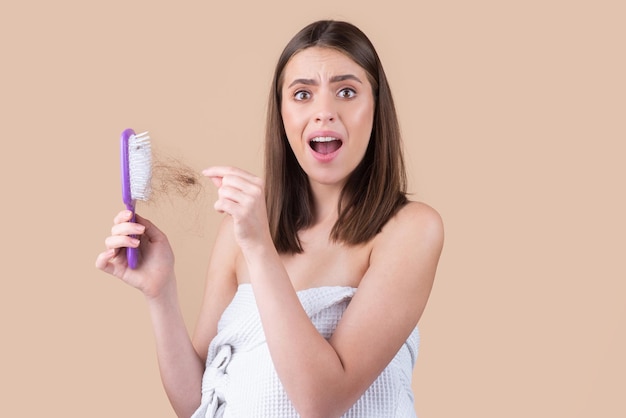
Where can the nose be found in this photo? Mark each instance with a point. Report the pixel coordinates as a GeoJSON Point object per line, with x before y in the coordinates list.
{"type": "Point", "coordinates": [326, 109]}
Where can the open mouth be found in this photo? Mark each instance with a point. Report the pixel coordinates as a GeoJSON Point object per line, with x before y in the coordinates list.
{"type": "Point", "coordinates": [325, 144]}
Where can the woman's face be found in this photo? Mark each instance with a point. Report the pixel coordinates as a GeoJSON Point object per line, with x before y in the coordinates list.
{"type": "Point", "coordinates": [328, 112]}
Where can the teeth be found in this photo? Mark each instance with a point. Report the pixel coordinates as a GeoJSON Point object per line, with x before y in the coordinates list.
{"type": "Point", "coordinates": [324, 139]}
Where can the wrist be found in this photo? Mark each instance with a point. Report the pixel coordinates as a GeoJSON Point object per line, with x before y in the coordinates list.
{"type": "Point", "coordinates": [259, 252]}
{"type": "Point", "coordinates": [166, 293]}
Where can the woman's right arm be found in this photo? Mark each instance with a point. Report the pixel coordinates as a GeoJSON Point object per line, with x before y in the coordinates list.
{"type": "Point", "coordinates": [181, 362]}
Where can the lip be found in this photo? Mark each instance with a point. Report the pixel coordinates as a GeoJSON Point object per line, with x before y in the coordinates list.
{"type": "Point", "coordinates": [324, 157]}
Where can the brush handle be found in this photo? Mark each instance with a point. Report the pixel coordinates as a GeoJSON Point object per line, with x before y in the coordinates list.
{"type": "Point", "coordinates": [132, 254]}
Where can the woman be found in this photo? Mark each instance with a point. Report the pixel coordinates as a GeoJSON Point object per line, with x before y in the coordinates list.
{"type": "Point", "coordinates": [320, 273]}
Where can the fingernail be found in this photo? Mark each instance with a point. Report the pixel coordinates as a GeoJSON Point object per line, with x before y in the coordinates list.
{"type": "Point", "coordinates": [134, 241]}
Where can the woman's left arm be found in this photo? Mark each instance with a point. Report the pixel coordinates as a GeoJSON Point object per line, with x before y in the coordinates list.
{"type": "Point", "coordinates": [324, 378]}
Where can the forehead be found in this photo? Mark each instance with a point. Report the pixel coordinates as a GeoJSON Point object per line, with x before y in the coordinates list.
{"type": "Point", "coordinates": [319, 62]}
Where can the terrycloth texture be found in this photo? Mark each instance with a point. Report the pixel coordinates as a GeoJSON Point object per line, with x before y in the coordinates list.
{"type": "Point", "coordinates": [240, 380]}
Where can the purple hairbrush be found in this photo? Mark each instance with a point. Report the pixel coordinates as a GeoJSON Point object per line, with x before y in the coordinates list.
{"type": "Point", "coordinates": [136, 165]}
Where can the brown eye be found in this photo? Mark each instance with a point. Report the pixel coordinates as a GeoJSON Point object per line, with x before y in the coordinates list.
{"type": "Point", "coordinates": [301, 95]}
{"type": "Point", "coordinates": [347, 93]}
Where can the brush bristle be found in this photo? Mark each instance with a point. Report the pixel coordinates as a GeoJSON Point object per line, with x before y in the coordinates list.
{"type": "Point", "coordinates": [140, 166]}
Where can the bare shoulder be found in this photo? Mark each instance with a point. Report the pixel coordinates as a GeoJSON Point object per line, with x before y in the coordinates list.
{"type": "Point", "coordinates": [420, 212]}
{"type": "Point", "coordinates": [414, 223]}
{"type": "Point", "coordinates": [402, 267]}
{"type": "Point", "coordinates": [405, 254]}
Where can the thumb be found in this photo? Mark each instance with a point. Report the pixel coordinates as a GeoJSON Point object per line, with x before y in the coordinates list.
{"type": "Point", "coordinates": [217, 181]}
{"type": "Point", "coordinates": [214, 174]}
{"type": "Point", "coordinates": [151, 232]}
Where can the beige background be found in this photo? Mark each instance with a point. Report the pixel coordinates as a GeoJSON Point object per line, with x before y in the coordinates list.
{"type": "Point", "coordinates": [514, 120]}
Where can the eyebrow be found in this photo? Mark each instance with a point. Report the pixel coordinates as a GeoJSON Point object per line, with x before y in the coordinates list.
{"type": "Point", "coordinates": [334, 79]}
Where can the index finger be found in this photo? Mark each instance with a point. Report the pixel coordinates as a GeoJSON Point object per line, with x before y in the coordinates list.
{"type": "Point", "coordinates": [122, 216]}
{"type": "Point", "coordinates": [222, 171]}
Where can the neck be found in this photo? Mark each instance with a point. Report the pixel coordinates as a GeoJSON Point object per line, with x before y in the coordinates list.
{"type": "Point", "coordinates": [326, 199]}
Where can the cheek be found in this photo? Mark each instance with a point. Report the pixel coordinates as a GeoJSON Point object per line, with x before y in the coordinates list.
{"type": "Point", "coordinates": [292, 122]}
{"type": "Point", "coordinates": [287, 117]}
{"type": "Point", "coordinates": [363, 119]}
{"type": "Point", "coordinates": [290, 127]}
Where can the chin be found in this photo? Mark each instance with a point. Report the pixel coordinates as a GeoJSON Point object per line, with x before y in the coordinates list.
{"type": "Point", "coordinates": [327, 179]}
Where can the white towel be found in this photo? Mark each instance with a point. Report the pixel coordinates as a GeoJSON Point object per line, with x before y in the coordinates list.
{"type": "Point", "coordinates": [240, 380]}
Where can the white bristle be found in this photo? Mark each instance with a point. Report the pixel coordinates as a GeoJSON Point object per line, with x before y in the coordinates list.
{"type": "Point", "coordinates": [140, 166]}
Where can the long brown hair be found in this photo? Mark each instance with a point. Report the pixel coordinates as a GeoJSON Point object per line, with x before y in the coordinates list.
{"type": "Point", "coordinates": [374, 191]}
